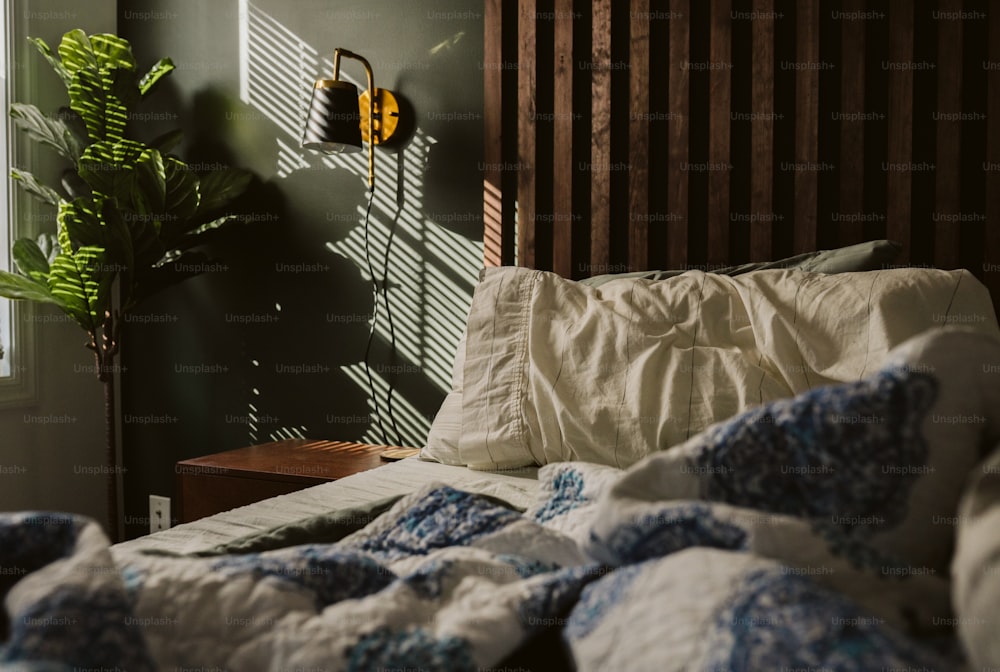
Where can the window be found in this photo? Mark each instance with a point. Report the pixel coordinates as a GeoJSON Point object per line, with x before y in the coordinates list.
{"type": "Point", "coordinates": [16, 332]}
{"type": "Point", "coordinates": [5, 307]}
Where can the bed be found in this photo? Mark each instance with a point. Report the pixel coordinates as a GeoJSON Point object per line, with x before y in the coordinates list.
{"type": "Point", "coordinates": [766, 458]}
{"type": "Point", "coordinates": [772, 469]}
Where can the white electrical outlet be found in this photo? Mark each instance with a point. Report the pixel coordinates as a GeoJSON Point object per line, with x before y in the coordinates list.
{"type": "Point", "coordinates": [159, 513]}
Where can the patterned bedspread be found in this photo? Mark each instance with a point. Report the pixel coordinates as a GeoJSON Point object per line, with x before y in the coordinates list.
{"type": "Point", "coordinates": [811, 533]}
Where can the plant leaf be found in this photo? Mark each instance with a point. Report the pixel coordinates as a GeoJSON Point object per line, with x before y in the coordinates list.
{"type": "Point", "coordinates": [52, 133]}
{"type": "Point", "coordinates": [76, 52]}
{"type": "Point", "coordinates": [46, 51]}
{"type": "Point", "coordinates": [128, 171]}
{"type": "Point", "coordinates": [28, 182]}
{"type": "Point", "coordinates": [181, 199]}
{"type": "Point", "coordinates": [124, 84]}
{"type": "Point", "coordinates": [49, 246]}
{"type": "Point", "coordinates": [197, 235]}
{"type": "Point", "coordinates": [90, 100]}
{"type": "Point", "coordinates": [147, 247]}
{"type": "Point", "coordinates": [76, 126]}
{"type": "Point", "coordinates": [181, 247]}
{"type": "Point", "coordinates": [74, 185]}
{"type": "Point", "coordinates": [148, 82]}
{"type": "Point", "coordinates": [67, 284]}
{"type": "Point", "coordinates": [168, 141]}
{"type": "Point", "coordinates": [111, 51]}
{"type": "Point", "coordinates": [82, 281]}
{"type": "Point", "coordinates": [82, 225]}
{"type": "Point", "coordinates": [149, 191]}
{"type": "Point", "coordinates": [177, 268]}
{"type": "Point", "coordinates": [120, 247]}
{"type": "Point", "coordinates": [220, 187]}
{"type": "Point", "coordinates": [101, 51]}
{"type": "Point", "coordinates": [18, 287]}
{"type": "Point", "coordinates": [30, 259]}
{"type": "Point", "coordinates": [99, 169]}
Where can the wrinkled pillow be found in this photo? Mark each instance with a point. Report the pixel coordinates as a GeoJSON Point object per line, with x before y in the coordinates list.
{"type": "Point", "coordinates": [442, 439]}
{"type": "Point", "coordinates": [555, 370]}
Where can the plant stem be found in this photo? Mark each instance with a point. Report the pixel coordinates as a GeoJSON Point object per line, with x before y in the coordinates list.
{"type": "Point", "coordinates": [104, 365]}
{"type": "Point", "coordinates": [105, 350]}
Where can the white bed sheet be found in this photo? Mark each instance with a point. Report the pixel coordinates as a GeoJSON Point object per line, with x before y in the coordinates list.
{"type": "Point", "coordinates": [515, 486]}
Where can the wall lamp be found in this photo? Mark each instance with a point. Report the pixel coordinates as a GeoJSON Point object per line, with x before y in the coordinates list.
{"type": "Point", "coordinates": [339, 120]}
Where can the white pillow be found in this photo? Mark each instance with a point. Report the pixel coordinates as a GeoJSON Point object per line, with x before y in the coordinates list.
{"type": "Point", "coordinates": [557, 371]}
{"type": "Point", "coordinates": [442, 439]}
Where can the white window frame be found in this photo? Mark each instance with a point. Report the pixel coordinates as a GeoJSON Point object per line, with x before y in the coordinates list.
{"type": "Point", "coordinates": [18, 375]}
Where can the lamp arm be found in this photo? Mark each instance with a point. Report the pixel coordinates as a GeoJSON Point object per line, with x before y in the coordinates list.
{"type": "Point", "coordinates": [336, 62]}
{"type": "Point", "coordinates": [337, 53]}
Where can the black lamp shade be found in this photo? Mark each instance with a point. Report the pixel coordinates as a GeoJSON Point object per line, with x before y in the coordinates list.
{"type": "Point", "coordinates": [334, 121]}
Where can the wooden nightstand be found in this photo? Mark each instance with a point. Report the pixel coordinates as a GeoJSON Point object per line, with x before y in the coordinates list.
{"type": "Point", "coordinates": [215, 483]}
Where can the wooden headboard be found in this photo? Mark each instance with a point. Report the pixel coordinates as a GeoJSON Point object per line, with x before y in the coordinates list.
{"type": "Point", "coordinates": [638, 134]}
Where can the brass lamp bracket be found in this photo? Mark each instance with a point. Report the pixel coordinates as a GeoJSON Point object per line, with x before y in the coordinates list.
{"type": "Point", "coordinates": [386, 110]}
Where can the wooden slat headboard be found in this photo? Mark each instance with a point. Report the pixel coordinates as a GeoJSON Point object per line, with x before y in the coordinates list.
{"type": "Point", "coordinates": [694, 134]}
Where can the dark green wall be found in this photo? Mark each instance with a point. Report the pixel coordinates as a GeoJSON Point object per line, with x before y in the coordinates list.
{"type": "Point", "coordinates": [268, 341]}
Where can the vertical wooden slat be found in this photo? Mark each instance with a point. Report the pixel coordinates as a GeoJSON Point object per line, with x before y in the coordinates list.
{"type": "Point", "coordinates": [852, 128]}
{"type": "Point", "coordinates": [678, 134]}
{"type": "Point", "coordinates": [600, 151]}
{"type": "Point", "coordinates": [991, 257]}
{"type": "Point", "coordinates": [638, 192]}
{"type": "Point", "coordinates": [493, 230]}
{"type": "Point", "coordinates": [900, 124]}
{"type": "Point", "coordinates": [492, 125]}
{"type": "Point", "coordinates": [562, 140]}
{"type": "Point", "coordinates": [720, 94]}
{"type": "Point", "coordinates": [526, 132]}
{"type": "Point", "coordinates": [947, 173]}
{"type": "Point", "coordinates": [806, 125]}
{"type": "Point", "coordinates": [762, 132]}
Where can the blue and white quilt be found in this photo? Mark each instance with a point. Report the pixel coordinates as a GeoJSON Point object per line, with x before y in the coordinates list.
{"type": "Point", "coordinates": [811, 533]}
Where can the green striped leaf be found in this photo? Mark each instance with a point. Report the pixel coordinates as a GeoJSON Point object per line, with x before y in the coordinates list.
{"type": "Point", "coordinates": [182, 194]}
{"type": "Point", "coordinates": [76, 52]}
{"type": "Point", "coordinates": [80, 221]}
{"type": "Point", "coordinates": [52, 133]}
{"type": "Point", "coordinates": [95, 97]}
{"type": "Point", "coordinates": [120, 246]}
{"type": "Point", "coordinates": [66, 284]}
{"type": "Point", "coordinates": [40, 191]}
{"type": "Point", "coordinates": [82, 282]}
{"type": "Point", "coordinates": [30, 259]}
{"type": "Point", "coordinates": [168, 141]}
{"type": "Point", "coordinates": [128, 171]}
{"type": "Point", "coordinates": [161, 69]}
{"type": "Point", "coordinates": [149, 190]}
{"type": "Point", "coordinates": [197, 235]}
{"type": "Point", "coordinates": [19, 288]}
{"type": "Point", "coordinates": [221, 186]}
{"type": "Point", "coordinates": [56, 64]}
{"type": "Point", "coordinates": [111, 51]}
{"type": "Point", "coordinates": [102, 51]}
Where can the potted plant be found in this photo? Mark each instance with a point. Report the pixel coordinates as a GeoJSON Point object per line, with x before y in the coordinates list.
{"type": "Point", "coordinates": [129, 214]}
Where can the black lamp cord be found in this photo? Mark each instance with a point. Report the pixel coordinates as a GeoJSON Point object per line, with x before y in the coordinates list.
{"type": "Point", "coordinates": [374, 323]}
{"type": "Point", "coordinates": [392, 330]}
